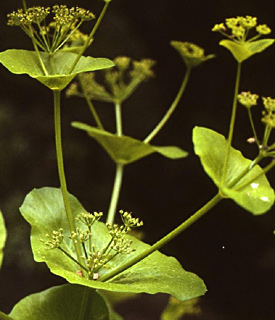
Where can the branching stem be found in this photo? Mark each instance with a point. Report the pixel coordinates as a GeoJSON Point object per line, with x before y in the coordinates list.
{"type": "Point", "coordinates": [232, 123]}
{"type": "Point", "coordinates": [88, 41]}
{"type": "Point", "coordinates": [90, 104]}
{"type": "Point", "coordinates": [170, 236]}
{"type": "Point", "coordinates": [119, 171]}
{"type": "Point", "coordinates": [171, 109]}
{"type": "Point", "coordinates": [61, 171]}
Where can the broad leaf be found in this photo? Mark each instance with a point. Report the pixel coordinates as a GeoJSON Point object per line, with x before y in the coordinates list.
{"type": "Point", "coordinates": [57, 65]}
{"type": "Point", "coordinates": [243, 51]}
{"type": "Point", "coordinates": [4, 316]}
{"type": "Point", "coordinates": [3, 236]}
{"type": "Point", "coordinates": [175, 309]}
{"type": "Point", "coordinates": [44, 210]}
{"type": "Point", "coordinates": [125, 149]}
{"type": "Point", "coordinates": [257, 197]}
{"type": "Point", "coordinates": [62, 303]}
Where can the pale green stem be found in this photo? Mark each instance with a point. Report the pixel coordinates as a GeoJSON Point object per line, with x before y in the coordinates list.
{"type": "Point", "coordinates": [115, 193]}
{"type": "Point", "coordinates": [264, 171]}
{"type": "Point", "coordinates": [59, 45]}
{"type": "Point", "coordinates": [232, 123]}
{"type": "Point", "coordinates": [52, 64]}
{"type": "Point", "coordinates": [61, 171]}
{"type": "Point", "coordinates": [267, 133]}
{"type": "Point", "coordinates": [118, 118]}
{"type": "Point", "coordinates": [119, 171]}
{"type": "Point", "coordinates": [170, 236]}
{"type": "Point", "coordinates": [85, 303]}
{"type": "Point", "coordinates": [72, 258]}
{"type": "Point", "coordinates": [38, 53]}
{"type": "Point", "coordinates": [171, 109]}
{"type": "Point", "coordinates": [24, 4]}
{"type": "Point", "coordinates": [244, 173]}
{"type": "Point", "coordinates": [45, 40]}
{"type": "Point", "coordinates": [253, 126]}
{"type": "Point", "coordinates": [91, 106]}
{"type": "Point", "coordinates": [90, 240]}
{"type": "Point", "coordinates": [90, 37]}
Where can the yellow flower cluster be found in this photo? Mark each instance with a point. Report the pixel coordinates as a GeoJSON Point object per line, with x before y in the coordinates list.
{"type": "Point", "coordinates": [240, 26]}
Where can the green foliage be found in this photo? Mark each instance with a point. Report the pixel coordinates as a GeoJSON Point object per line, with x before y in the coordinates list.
{"type": "Point", "coordinates": [176, 309]}
{"type": "Point", "coordinates": [57, 65]}
{"type": "Point", "coordinates": [3, 236]}
{"type": "Point", "coordinates": [257, 196]}
{"type": "Point", "coordinates": [243, 51]}
{"type": "Point", "coordinates": [4, 316]}
{"type": "Point", "coordinates": [191, 54]}
{"type": "Point", "coordinates": [67, 302]}
{"type": "Point", "coordinates": [240, 43]}
{"type": "Point", "coordinates": [117, 84]}
{"type": "Point", "coordinates": [124, 149]}
{"type": "Point", "coordinates": [44, 210]}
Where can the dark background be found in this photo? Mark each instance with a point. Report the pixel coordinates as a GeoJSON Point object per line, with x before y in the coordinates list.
{"type": "Point", "coordinates": [233, 251]}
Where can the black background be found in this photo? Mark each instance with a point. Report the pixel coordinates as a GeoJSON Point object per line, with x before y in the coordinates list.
{"type": "Point", "coordinates": [233, 251]}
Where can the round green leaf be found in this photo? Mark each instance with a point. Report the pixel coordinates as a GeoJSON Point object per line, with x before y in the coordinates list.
{"type": "Point", "coordinates": [62, 303]}
{"type": "Point", "coordinates": [4, 316]}
{"type": "Point", "coordinates": [44, 210]}
{"type": "Point", "coordinates": [257, 197]}
{"type": "Point", "coordinates": [244, 50]}
{"type": "Point", "coordinates": [57, 65]}
{"type": "Point", "coordinates": [3, 236]}
{"type": "Point", "coordinates": [125, 149]}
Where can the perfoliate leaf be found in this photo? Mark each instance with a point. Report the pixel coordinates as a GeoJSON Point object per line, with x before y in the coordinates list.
{"type": "Point", "coordinates": [191, 54]}
{"type": "Point", "coordinates": [125, 149]}
{"type": "Point", "coordinates": [57, 65]}
{"type": "Point", "coordinates": [244, 50]}
{"type": "Point", "coordinates": [175, 309]}
{"type": "Point", "coordinates": [257, 197]}
{"type": "Point", "coordinates": [62, 303]}
{"type": "Point", "coordinates": [44, 210]}
{"type": "Point", "coordinates": [4, 316]}
{"type": "Point", "coordinates": [3, 236]}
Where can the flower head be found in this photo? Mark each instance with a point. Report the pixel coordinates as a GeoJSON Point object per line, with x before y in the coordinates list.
{"type": "Point", "coordinates": [54, 240]}
{"type": "Point", "coordinates": [128, 221]}
{"type": "Point", "coordinates": [192, 54]}
{"type": "Point", "coordinates": [238, 28]}
{"type": "Point", "coordinates": [248, 99]}
{"type": "Point", "coordinates": [119, 82]}
{"type": "Point", "coordinates": [51, 36]}
{"type": "Point", "coordinates": [269, 113]}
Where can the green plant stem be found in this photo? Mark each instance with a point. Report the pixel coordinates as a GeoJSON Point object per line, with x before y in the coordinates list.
{"type": "Point", "coordinates": [232, 122]}
{"type": "Point", "coordinates": [118, 118]}
{"type": "Point", "coordinates": [267, 133]}
{"type": "Point", "coordinates": [84, 304]}
{"type": "Point", "coordinates": [91, 35]}
{"type": "Point", "coordinates": [253, 126]}
{"type": "Point", "coordinates": [91, 106]}
{"type": "Point", "coordinates": [265, 170]}
{"type": "Point", "coordinates": [61, 171]}
{"type": "Point", "coordinates": [245, 172]}
{"type": "Point", "coordinates": [38, 53]}
{"type": "Point", "coordinates": [171, 109]}
{"type": "Point", "coordinates": [119, 171]}
{"type": "Point", "coordinates": [72, 258]}
{"type": "Point", "coordinates": [115, 193]}
{"type": "Point", "coordinates": [24, 4]}
{"type": "Point", "coordinates": [170, 236]}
